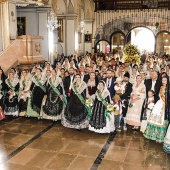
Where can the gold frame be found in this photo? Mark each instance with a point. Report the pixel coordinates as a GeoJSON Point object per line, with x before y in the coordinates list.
{"type": "Point", "coordinates": [87, 38]}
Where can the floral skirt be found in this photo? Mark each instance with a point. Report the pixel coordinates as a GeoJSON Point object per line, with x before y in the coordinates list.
{"type": "Point", "coordinates": [166, 145]}
{"type": "Point", "coordinates": [155, 132]}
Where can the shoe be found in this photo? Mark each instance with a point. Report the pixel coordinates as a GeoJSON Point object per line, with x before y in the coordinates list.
{"type": "Point", "coordinates": [118, 130]}
{"type": "Point", "coordinates": [137, 128]}
{"type": "Point", "coordinates": [134, 128]}
{"type": "Point", "coordinates": [125, 128]}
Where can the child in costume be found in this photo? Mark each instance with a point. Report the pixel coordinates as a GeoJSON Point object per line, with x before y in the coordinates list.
{"type": "Point", "coordinates": [148, 106]}
{"type": "Point", "coordinates": [117, 111]}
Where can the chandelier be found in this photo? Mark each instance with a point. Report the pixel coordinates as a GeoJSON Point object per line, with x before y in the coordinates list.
{"type": "Point", "coordinates": [80, 26]}
{"type": "Point", "coordinates": [52, 21]}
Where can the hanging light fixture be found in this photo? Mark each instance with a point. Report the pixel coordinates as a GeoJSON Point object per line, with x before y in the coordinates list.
{"type": "Point", "coordinates": [52, 21]}
{"type": "Point", "coordinates": [80, 27]}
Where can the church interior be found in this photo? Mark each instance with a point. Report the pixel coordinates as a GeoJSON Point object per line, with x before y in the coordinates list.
{"type": "Point", "coordinates": [28, 36]}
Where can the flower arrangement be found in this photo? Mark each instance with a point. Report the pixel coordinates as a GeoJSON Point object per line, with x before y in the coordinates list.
{"type": "Point", "coordinates": [89, 102]}
{"type": "Point", "coordinates": [150, 106]}
{"type": "Point", "coordinates": [89, 105]}
{"type": "Point", "coordinates": [131, 52]}
{"type": "Point", "coordinates": [110, 108]}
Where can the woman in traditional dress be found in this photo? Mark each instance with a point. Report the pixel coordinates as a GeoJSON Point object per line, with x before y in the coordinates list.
{"type": "Point", "coordinates": [91, 87]}
{"type": "Point", "coordinates": [38, 90]}
{"type": "Point", "coordinates": [157, 122]}
{"type": "Point", "coordinates": [33, 71]}
{"type": "Point", "coordinates": [136, 102]}
{"type": "Point", "coordinates": [58, 69]}
{"type": "Point", "coordinates": [66, 64]}
{"type": "Point", "coordinates": [47, 68]}
{"type": "Point", "coordinates": [76, 114]}
{"type": "Point", "coordinates": [11, 95]}
{"type": "Point", "coordinates": [55, 99]}
{"type": "Point", "coordinates": [100, 119]}
{"type": "Point", "coordinates": [24, 92]}
{"type": "Point", "coordinates": [2, 92]}
{"type": "Point", "coordinates": [133, 76]}
{"type": "Point", "coordinates": [14, 71]}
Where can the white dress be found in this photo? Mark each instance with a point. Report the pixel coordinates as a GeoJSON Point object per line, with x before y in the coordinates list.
{"type": "Point", "coordinates": [134, 111]}
{"type": "Point", "coordinates": [166, 145]}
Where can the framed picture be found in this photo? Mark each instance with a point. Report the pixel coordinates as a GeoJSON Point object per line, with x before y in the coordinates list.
{"type": "Point", "coordinates": [21, 26]}
{"type": "Point", "coordinates": [88, 38]}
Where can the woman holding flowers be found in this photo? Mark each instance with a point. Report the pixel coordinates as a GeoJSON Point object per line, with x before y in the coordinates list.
{"type": "Point", "coordinates": [76, 112]}
{"type": "Point", "coordinates": [136, 101]}
{"type": "Point", "coordinates": [158, 119]}
{"type": "Point", "coordinates": [24, 92]}
{"type": "Point", "coordinates": [55, 100]}
{"type": "Point", "coordinates": [38, 91]}
{"type": "Point", "coordinates": [100, 121]}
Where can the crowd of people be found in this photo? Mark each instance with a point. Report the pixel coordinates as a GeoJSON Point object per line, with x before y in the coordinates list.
{"type": "Point", "coordinates": [138, 92]}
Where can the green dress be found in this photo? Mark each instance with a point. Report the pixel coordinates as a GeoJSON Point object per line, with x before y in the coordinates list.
{"type": "Point", "coordinates": [157, 125]}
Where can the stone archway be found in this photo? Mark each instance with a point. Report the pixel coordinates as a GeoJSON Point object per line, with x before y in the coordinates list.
{"type": "Point", "coordinates": [143, 37]}
{"type": "Point", "coordinates": [163, 42]}
{"type": "Point", "coordinates": [102, 45]}
{"type": "Point", "coordinates": [117, 40]}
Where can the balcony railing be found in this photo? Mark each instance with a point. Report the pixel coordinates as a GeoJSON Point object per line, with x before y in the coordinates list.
{"type": "Point", "coordinates": [131, 4]}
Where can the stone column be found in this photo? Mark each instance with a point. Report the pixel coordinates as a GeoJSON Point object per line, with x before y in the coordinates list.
{"type": "Point", "coordinates": [160, 44]}
{"type": "Point", "coordinates": [4, 19]}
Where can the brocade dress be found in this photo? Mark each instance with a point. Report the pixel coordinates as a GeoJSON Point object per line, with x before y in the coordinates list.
{"type": "Point", "coordinates": [76, 114]}
{"type": "Point", "coordinates": [166, 145]}
{"type": "Point", "coordinates": [157, 123]}
{"type": "Point", "coordinates": [11, 106]}
{"type": "Point", "coordinates": [101, 121]}
{"type": "Point", "coordinates": [53, 106]}
{"type": "Point", "coordinates": [38, 90]}
{"type": "Point", "coordinates": [24, 94]}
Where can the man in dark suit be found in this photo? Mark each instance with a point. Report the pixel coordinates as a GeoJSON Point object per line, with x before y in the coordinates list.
{"type": "Point", "coordinates": [110, 83]}
{"type": "Point", "coordinates": [153, 84]}
{"type": "Point", "coordinates": [87, 76]}
{"type": "Point", "coordinates": [68, 81]}
{"type": "Point", "coordinates": [125, 97]}
{"type": "Point", "coordinates": [143, 57]}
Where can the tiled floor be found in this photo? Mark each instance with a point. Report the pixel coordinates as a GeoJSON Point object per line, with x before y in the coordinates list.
{"type": "Point", "coordinates": [29, 144]}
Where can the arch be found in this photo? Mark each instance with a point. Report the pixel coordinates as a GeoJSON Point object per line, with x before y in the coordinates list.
{"type": "Point", "coordinates": [88, 10]}
{"type": "Point", "coordinates": [153, 46]}
{"type": "Point", "coordinates": [162, 32]}
{"type": "Point", "coordinates": [138, 27]}
{"type": "Point", "coordinates": [70, 7]}
{"type": "Point", "coordinates": [163, 43]}
{"type": "Point", "coordinates": [95, 47]}
{"type": "Point", "coordinates": [116, 32]}
{"type": "Point", "coordinates": [62, 7]}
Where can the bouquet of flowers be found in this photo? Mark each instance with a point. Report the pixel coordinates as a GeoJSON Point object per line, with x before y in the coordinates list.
{"type": "Point", "coordinates": [110, 108]}
{"type": "Point", "coordinates": [131, 53]}
{"type": "Point", "coordinates": [89, 102]}
{"type": "Point", "coordinates": [89, 105]}
{"type": "Point", "coordinates": [150, 106]}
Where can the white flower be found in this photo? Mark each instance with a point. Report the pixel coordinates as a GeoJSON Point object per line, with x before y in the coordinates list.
{"type": "Point", "coordinates": [89, 102]}
{"type": "Point", "coordinates": [110, 108]}
{"type": "Point", "coordinates": [150, 106]}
